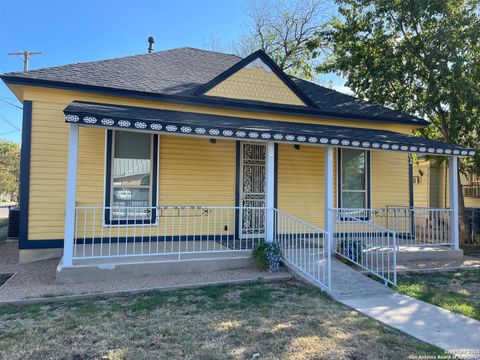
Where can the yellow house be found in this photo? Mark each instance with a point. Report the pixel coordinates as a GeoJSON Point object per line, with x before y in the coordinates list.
{"type": "Point", "coordinates": [431, 188]}
{"type": "Point", "coordinates": [191, 157]}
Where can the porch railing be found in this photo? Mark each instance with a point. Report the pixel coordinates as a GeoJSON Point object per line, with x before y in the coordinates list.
{"type": "Point", "coordinates": [413, 226]}
{"type": "Point", "coordinates": [305, 247]}
{"type": "Point", "coordinates": [173, 231]}
{"type": "Point", "coordinates": [371, 247]}
{"type": "Point", "coordinates": [471, 191]}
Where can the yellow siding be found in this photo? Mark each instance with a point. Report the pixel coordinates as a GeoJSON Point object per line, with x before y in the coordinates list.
{"type": "Point", "coordinates": [256, 83]}
{"type": "Point", "coordinates": [300, 182]}
{"type": "Point", "coordinates": [91, 167]}
{"type": "Point", "coordinates": [434, 190]}
{"type": "Point", "coordinates": [65, 97]}
{"type": "Point", "coordinates": [421, 191]}
{"type": "Point", "coordinates": [194, 171]}
{"type": "Point", "coordinates": [389, 178]}
{"type": "Point", "coordinates": [48, 171]}
{"type": "Point", "coordinates": [472, 202]}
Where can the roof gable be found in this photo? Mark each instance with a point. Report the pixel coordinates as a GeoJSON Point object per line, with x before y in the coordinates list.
{"type": "Point", "coordinates": [257, 78]}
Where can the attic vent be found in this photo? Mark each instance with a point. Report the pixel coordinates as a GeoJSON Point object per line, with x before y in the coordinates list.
{"type": "Point", "coordinates": [151, 41]}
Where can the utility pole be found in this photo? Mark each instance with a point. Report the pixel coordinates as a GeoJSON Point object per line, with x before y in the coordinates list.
{"type": "Point", "coordinates": [26, 57]}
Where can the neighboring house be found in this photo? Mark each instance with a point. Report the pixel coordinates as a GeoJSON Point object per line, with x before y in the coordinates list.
{"type": "Point", "coordinates": [431, 188]}
{"type": "Point", "coordinates": [183, 160]}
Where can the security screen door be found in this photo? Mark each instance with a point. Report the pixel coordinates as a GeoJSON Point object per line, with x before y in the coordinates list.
{"type": "Point", "coordinates": [252, 190]}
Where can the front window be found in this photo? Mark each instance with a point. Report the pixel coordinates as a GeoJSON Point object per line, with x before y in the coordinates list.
{"type": "Point", "coordinates": [132, 176]}
{"type": "Point", "coordinates": [353, 182]}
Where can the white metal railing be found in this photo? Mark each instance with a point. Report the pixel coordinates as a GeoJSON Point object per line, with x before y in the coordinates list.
{"type": "Point", "coordinates": [369, 246]}
{"type": "Point", "coordinates": [104, 232]}
{"type": "Point", "coordinates": [305, 247]}
{"type": "Point", "coordinates": [471, 191]}
{"type": "Point", "coordinates": [414, 226]}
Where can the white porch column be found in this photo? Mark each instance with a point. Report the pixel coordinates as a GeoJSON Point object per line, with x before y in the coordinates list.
{"type": "Point", "coordinates": [328, 194]}
{"type": "Point", "coordinates": [270, 191]}
{"type": "Point", "coordinates": [71, 195]}
{"type": "Point", "coordinates": [453, 183]}
{"type": "Point", "coordinates": [328, 191]}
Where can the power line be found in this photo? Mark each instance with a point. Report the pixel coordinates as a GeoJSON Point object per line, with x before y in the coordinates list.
{"type": "Point", "coordinates": [9, 123]}
{"type": "Point", "coordinates": [26, 56]}
{"type": "Point", "coordinates": [8, 132]}
{"type": "Point", "coordinates": [12, 104]}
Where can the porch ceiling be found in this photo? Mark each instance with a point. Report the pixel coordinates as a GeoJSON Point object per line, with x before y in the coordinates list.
{"type": "Point", "coordinates": [188, 123]}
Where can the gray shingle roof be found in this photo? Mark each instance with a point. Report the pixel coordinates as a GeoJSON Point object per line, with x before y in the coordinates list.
{"type": "Point", "coordinates": [182, 71]}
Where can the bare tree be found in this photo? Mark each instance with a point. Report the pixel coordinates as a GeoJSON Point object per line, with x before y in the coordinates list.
{"type": "Point", "coordinates": [213, 43]}
{"type": "Point", "coordinates": [283, 30]}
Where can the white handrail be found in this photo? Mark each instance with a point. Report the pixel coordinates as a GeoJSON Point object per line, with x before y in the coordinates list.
{"type": "Point", "coordinates": [367, 245]}
{"type": "Point", "coordinates": [305, 247]}
{"type": "Point", "coordinates": [415, 226]}
{"type": "Point", "coordinates": [300, 221]}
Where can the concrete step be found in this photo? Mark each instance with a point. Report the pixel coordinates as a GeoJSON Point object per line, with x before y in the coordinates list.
{"type": "Point", "coordinates": [431, 253]}
{"type": "Point", "coordinates": [135, 268]}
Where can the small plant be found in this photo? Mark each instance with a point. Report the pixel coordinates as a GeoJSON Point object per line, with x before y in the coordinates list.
{"type": "Point", "coordinates": [268, 255]}
{"type": "Point", "coordinates": [351, 249]}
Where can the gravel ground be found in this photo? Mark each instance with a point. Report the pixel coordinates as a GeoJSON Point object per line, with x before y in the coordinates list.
{"type": "Point", "coordinates": [38, 279]}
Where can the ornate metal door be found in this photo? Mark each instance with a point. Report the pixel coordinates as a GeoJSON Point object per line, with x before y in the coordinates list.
{"type": "Point", "coordinates": [252, 190]}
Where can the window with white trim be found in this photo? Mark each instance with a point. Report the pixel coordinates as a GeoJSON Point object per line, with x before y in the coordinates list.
{"type": "Point", "coordinates": [353, 178]}
{"type": "Point", "coordinates": [131, 179]}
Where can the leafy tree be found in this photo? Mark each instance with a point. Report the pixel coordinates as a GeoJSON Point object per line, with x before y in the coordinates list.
{"type": "Point", "coordinates": [418, 56]}
{"type": "Point", "coordinates": [283, 30]}
{"type": "Point", "coordinates": [9, 168]}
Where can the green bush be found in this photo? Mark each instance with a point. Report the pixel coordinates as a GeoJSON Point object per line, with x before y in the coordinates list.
{"type": "Point", "coordinates": [268, 256]}
{"type": "Point", "coordinates": [351, 249]}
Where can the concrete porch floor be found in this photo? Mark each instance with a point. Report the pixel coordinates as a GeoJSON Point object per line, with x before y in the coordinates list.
{"type": "Point", "coordinates": [110, 261]}
{"type": "Point", "coordinates": [38, 280]}
{"type": "Point", "coordinates": [123, 253]}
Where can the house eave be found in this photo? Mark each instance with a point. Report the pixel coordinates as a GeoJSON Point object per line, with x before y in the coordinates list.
{"type": "Point", "coordinates": [229, 127]}
{"type": "Point", "coordinates": [208, 101]}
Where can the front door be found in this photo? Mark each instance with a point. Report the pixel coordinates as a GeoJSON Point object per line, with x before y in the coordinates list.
{"type": "Point", "coordinates": [252, 190]}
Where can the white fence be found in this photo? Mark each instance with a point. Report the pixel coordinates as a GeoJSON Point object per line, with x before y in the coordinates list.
{"type": "Point", "coordinates": [369, 246]}
{"type": "Point", "coordinates": [103, 232]}
{"type": "Point", "coordinates": [305, 247]}
{"type": "Point", "coordinates": [413, 226]}
{"type": "Point", "coordinates": [174, 231]}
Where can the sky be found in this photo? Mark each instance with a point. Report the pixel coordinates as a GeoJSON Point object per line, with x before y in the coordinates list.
{"type": "Point", "coordinates": [76, 31]}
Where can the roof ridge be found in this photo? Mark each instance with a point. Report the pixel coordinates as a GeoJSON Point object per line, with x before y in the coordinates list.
{"type": "Point", "coordinates": [211, 51]}
{"type": "Point", "coordinates": [117, 58]}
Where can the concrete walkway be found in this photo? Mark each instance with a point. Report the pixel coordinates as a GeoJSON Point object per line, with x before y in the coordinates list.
{"type": "Point", "coordinates": [349, 283]}
{"type": "Point", "coordinates": [455, 333]}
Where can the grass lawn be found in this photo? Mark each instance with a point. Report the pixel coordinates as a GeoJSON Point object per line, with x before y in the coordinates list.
{"type": "Point", "coordinates": [279, 320]}
{"type": "Point", "coordinates": [457, 291]}
{"type": "Point", "coordinates": [3, 278]}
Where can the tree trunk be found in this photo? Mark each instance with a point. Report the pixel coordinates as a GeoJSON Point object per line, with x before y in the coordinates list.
{"type": "Point", "coordinates": [462, 217]}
